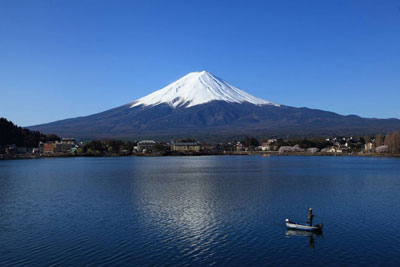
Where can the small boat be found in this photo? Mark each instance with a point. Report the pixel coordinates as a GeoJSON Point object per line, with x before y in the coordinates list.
{"type": "Point", "coordinates": [296, 226]}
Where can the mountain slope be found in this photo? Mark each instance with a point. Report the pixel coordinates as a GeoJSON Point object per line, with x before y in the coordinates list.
{"type": "Point", "coordinates": [200, 105]}
{"type": "Point", "coordinates": [217, 118]}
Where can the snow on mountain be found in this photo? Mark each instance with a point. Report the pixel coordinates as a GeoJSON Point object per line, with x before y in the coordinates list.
{"type": "Point", "coordinates": [198, 88]}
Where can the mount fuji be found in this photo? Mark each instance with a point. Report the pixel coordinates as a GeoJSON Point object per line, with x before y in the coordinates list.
{"type": "Point", "coordinates": [198, 88]}
{"type": "Point", "coordinates": [203, 105]}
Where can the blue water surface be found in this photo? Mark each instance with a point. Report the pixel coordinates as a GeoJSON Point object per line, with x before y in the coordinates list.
{"type": "Point", "coordinates": [210, 210]}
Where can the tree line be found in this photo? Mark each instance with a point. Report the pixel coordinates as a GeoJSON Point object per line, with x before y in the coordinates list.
{"type": "Point", "coordinates": [107, 146]}
{"type": "Point", "coordinates": [391, 140]}
{"type": "Point", "coordinates": [11, 134]}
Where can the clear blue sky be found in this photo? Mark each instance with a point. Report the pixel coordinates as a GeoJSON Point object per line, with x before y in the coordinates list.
{"type": "Point", "coordinates": [61, 59]}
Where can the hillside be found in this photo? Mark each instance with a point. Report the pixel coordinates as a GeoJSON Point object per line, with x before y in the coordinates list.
{"type": "Point", "coordinates": [12, 134]}
{"type": "Point", "coordinates": [203, 105]}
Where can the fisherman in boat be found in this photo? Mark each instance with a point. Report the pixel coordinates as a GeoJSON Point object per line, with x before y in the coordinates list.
{"type": "Point", "coordinates": [310, 216]}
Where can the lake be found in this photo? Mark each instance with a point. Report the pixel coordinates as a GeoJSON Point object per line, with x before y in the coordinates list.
{"type": "Point", "coordinates": [210, 210]}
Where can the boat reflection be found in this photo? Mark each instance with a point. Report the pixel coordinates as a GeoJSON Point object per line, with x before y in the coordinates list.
{"type": "Point", "coordinates": [311, 236]}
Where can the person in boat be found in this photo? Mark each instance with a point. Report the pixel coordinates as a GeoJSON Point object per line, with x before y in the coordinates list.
{"type": "Point", "coordinates": [310, 216]}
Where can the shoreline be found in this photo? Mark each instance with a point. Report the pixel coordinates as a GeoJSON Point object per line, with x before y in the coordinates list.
{"type": "Point", "coordinates": [254, 153]}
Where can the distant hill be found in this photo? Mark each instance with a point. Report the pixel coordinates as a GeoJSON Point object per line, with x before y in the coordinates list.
{"type": "Point", "coordinates": [12, 134]}
{"type": "Point", "coordinates": [202, 105]}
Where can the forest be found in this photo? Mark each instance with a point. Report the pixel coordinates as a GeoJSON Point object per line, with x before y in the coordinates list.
{"type": "Point", "coordinates": [13, 134]}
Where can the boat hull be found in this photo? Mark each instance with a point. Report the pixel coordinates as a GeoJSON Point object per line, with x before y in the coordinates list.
{"type": "Point", "coordinates": [302, 227]}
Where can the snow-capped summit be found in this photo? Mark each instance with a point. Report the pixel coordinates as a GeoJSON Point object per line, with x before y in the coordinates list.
{"type": "Point", "coordinates": [198, 88]}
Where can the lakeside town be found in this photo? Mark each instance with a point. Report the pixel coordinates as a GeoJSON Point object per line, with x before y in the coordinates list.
{"type": "Point", "coordinates": [68, 147]}
{"type": "Point", "coordinates": [17, 142]}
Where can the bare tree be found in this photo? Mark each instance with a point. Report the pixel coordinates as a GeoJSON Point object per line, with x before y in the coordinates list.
{"type": "Point", "coordinates": [396, 142]}
{"type": "Point", "coordinates": [388, 142]}
{"type": "Point", "coordinates": [378, 140]}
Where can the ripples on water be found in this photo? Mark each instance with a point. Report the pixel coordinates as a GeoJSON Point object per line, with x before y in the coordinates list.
{"type": "Point", "coordinates": [198, 211]}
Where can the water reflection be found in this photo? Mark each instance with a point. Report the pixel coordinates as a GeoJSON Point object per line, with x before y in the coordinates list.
{"type": "Point", "coordinates": [311, 236]}
{"type": "Point", "coordinates": [200, 211]}
{"type": "Point", "coordinates": [179, 204]}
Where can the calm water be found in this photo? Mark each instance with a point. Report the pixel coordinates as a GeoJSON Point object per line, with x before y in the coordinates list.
{"type": "Point", "coordinates": [198, 211]}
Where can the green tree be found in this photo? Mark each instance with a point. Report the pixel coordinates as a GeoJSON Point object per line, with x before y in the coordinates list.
{"type": "Point", "coordinates": [13, 134]}
{"type": "Point", "coordinates": [250, 142]}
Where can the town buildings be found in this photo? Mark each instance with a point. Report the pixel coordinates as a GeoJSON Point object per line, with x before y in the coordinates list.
{"type": "Point", "coordinates": [185, 146]}
{"type": "Point", "coordinates": [146, 146]}
{"type": "Point", "coordinates": [66, 145]}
